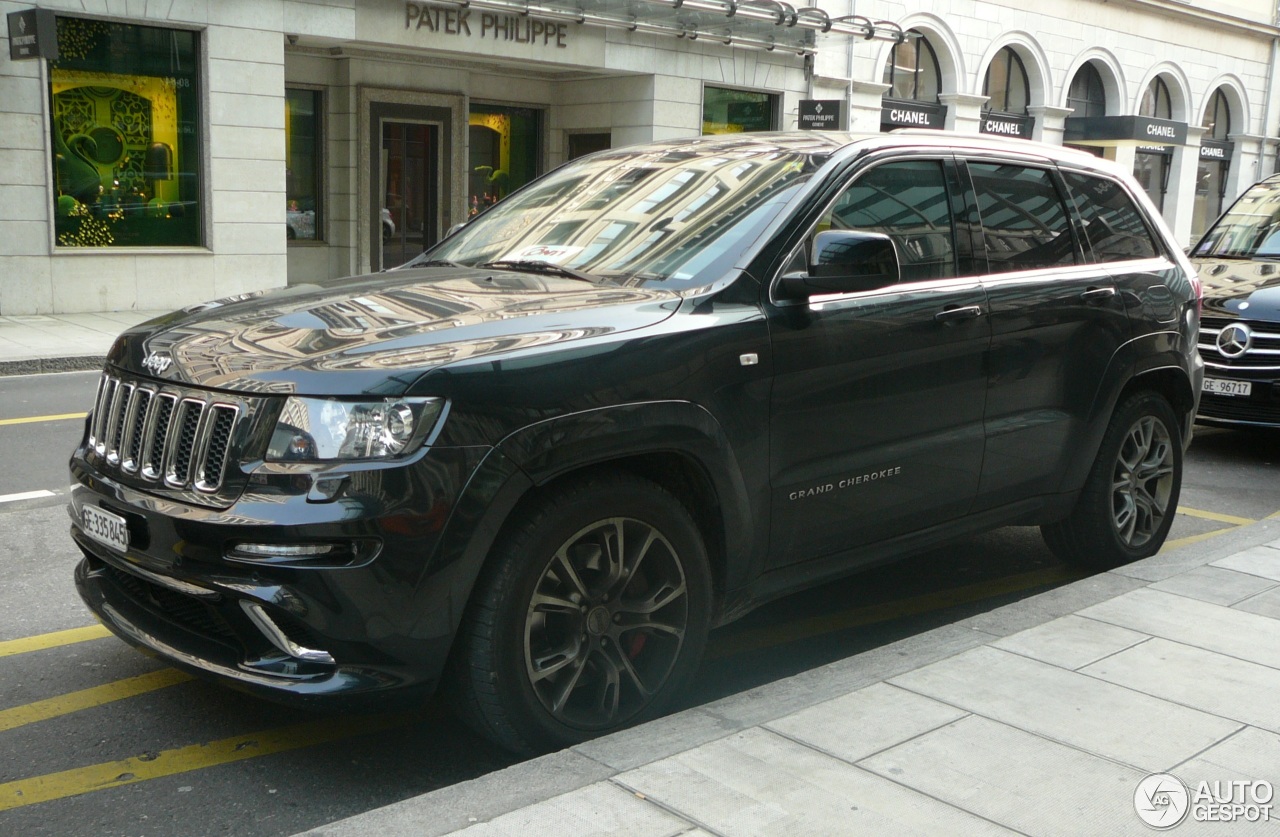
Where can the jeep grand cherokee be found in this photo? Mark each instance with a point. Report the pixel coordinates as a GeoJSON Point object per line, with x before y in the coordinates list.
{"type": "Point", "coordinates": [651, 390]}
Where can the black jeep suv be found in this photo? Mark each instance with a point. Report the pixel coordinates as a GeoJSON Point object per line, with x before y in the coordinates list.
{"type": "Point", "coordinates": [647, 392]}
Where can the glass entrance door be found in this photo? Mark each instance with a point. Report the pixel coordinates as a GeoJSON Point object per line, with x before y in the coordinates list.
{"type": "Point", "coordinates": [409, 219]}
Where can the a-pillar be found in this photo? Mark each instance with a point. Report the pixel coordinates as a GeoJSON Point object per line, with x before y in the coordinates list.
{"type": "Point", "coordinates": [1180, 199]}
{"type": "Point", "coordinates": [964, 111]}
{"type": "Point", "coordinates": [1050, 123]}
{"type": "Point", "coordinates": [866, 104]}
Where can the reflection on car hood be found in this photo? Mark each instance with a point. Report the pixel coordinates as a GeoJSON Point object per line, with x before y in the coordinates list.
{"type": "Point", "coordinates": [1239, 288]}
{"type": "Point", "coordinates": [377, 334]}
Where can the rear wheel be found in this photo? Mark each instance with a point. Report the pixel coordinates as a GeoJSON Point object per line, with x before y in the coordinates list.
{"type": "Point", "coordinates": [593, 614]}
{"type": "Point", "coordinates": [1131, 495]}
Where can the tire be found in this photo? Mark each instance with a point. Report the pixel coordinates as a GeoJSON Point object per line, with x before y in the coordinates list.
{"type": "Point", "coordinates": [1129, 500]}
{"type": "Point", "coordinates": [563, 642]}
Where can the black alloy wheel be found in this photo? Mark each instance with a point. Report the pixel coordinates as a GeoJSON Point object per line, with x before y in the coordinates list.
{"type": "Point", "coordinates": [1130, 498]}
{"type": "Point", "coordinates": [592, 615]}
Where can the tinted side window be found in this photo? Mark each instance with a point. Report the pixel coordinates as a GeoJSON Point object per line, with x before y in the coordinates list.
{"type": "Point", "coordinates": [908, 202]}
{"type": "Point", "coordinates": [1024, 222]}
{"type": "Point", "coordinates": [1113, 226]}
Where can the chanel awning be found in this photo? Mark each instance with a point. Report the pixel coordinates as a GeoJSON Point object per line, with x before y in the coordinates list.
{"type": "Point", "coordinates": [1123, 130]}
{"type": "Point", "coordinates": [759, 24]}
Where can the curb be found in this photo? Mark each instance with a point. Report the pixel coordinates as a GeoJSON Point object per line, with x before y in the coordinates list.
{"type": "Point", "coordinates": [43, 365]}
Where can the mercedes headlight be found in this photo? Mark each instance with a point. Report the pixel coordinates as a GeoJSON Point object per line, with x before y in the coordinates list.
{"type": "Point", "coordinates": [324, 429]}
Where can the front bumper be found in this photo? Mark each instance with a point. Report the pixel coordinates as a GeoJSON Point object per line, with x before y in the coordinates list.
{"type": "Point", "coordinates": [300, 630]}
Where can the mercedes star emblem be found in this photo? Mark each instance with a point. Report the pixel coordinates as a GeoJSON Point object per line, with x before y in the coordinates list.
{"type": "Point", "coordinates": [1234, 340]}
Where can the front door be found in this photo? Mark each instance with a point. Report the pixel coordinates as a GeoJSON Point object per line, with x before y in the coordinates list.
{"type": "Point", "coordinates": [877, 409]}
{"type": "Point", "coordinates": [408, 219]}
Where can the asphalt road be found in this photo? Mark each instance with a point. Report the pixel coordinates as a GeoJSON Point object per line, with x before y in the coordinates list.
{"type": "Point", "coordinates": [98, 739]}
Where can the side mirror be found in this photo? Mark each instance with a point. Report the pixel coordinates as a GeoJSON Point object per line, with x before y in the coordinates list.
{"type": "Point", "coordinates": [846, 261]}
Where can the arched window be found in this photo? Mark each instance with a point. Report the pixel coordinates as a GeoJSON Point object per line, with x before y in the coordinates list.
{"type": "Point", "coordinates": [1215, 163]}
{"type": "Point", "coordinates": [912, 70]}
{"type": "Point", "coordinates": [1217, 117]}
{"type": "Point", "coordinates": [1006, 86]}
{"type": "Point", "coordinates": [1156, 102]}
{"type": "Point", "coordinates": [1151, 164]}
{"type": "Point", "coordinates": [1086, 96]}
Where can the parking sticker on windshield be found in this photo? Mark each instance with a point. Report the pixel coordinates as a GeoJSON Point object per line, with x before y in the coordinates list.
{"type": "Point", "coordinates": [552, 253]}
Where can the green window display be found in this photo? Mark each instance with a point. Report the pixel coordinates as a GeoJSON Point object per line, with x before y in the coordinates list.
{"type": "Point", "coordinates": [125, 135]}
{"type": "Point", "coordinates": [302, 111]}
{"type": "Point", "coordinates": [726, 111]}
{"type": "Point", "coordinates": [504, 152]}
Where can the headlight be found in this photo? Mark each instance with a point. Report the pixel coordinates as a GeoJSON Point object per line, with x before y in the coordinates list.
{"type": "Point", "coordinates": [318, 429]}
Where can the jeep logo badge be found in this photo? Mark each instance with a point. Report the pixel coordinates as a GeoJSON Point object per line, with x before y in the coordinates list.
{"type": "Point", "coordinates": [156, 363]}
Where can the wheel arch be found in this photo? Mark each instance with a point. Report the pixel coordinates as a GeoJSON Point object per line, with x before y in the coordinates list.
{"type": "Point", "coordinates": [1152, 362]}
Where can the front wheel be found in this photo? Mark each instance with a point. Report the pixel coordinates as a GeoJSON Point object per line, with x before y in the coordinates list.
{"type": "Point", "coordinates": [592, 615]}
{"type": "Point", "coordinates": [1131, 495]}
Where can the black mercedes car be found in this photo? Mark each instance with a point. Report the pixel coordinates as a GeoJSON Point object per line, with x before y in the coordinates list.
{"type": "Point", "coordinates": [649, 391]}
{"type": "Point", "coordinates": [1239, 264]}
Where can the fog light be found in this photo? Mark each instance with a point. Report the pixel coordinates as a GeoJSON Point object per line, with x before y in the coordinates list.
{"type": "Point", "coordinates": [284, 550]}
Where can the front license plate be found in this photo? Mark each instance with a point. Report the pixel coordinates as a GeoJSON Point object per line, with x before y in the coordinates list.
{"type": "Point", "coordinates": [105, 527]}
{"type": "Point", "coordinates": [1221, 386]}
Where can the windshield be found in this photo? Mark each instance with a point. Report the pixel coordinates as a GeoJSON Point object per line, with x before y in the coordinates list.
{"type": "Point", "coordinates": [1250, 229]}
{"type": "Point", "coordinates": [678, 214]}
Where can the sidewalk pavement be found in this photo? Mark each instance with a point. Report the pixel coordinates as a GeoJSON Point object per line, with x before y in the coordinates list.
{"type": "Point", "coordinates": [1040, 718]}
{"type": "Point", "coordinates": [61, 342]}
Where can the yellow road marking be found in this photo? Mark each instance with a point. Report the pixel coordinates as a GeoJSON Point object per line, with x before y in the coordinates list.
{"type": "Point", "coordinates": [1221, 518]}
{"type": "Point", "coordinates": [114, 774]}
{"type": "Point", "coordinates": [42, 641]}
{"type": "Point", "coordinates": [1190, 539]}
{"type": "Point", "coordinates": [43, 710]}
{"type": "Point", "coordinates": [762, 638]}
{"type": "Point", "coordinates": [36, 419]}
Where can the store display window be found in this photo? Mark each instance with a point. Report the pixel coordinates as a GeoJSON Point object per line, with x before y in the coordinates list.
{"type": "Point", "coordinates": [505, 152]}
{"type": "Point", "coordinates": [125, 135]}
{"type": "Point", "coordinates": [726, 111]}
{"type": "Point", "coordinates": [302, 110]}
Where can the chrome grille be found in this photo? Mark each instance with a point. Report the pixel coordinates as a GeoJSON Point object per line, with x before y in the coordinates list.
{"type": "Point", "coordinates": [1263, 352]}
{"type": "Point", "coordinates": [178, 438]}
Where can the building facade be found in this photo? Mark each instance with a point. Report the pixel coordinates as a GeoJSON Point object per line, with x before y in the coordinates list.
{"type": "Point", "coordinates": [174, 151]}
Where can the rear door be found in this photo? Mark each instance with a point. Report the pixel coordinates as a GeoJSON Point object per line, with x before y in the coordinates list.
{"type": "Point", "coordinates": [1056, 320]}
{"type": "Point", "coordinates": [877, 407]}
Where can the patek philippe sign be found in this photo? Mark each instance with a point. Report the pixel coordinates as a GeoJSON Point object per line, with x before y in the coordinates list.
{"type": "Point", "coordinates": [821, 115]}
{"type": "Point", "coordinates": [33, 33]}
{"type": "Point", "coordinates": [465, 22]}
{"type": "Point", "coordinates": [904, 114]}
{"type": "Point", "coordinates": [1007, 125]}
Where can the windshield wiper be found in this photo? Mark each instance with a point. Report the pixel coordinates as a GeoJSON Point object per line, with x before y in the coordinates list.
{"type": "Point", "coordinates": [548, 268]}
{"type": "Point", "coordinates": [435, 263]}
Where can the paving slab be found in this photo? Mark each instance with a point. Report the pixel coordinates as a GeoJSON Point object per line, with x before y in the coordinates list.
{"type": "Point", "coordinates": [1209, 626]}
{"type": "Point", "coordinates": [486, 798]}
{"type": "Point", "coordinates": [1069, 707]}
{"type": "Point", "coordinates": [1264, 604]}
{"type": "Point", "coordinates": [597, 809]}
{"type": "Point", "coordinates": [1071, 642]}
{"type": "Point", "coordinates": [867, 721]}
{"type": "Point", "coordinates": [1049, 605]}
{"type": "Point", "coordinates": [1226, 686]}
{"type": "Point", "coordinates": [1017, 779]}
{"type": "Point", "coordinates": [1216, 584]}
{"type": "Point", "coordinates": [758, 783]}
{"type": "Point", "coordinates": [1263, 561]}
{"type": "Point", "coordinates": [1250, 754]}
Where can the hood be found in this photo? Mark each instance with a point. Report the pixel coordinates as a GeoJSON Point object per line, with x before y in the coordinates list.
{"type": "Point", "coordinates": [377, 334]}
{"type": "Point", "coordinates": [1240, 288]}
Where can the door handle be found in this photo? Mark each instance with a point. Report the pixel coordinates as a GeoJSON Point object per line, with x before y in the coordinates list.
{"type": "Point", "coordinates": [960, 312]}
{"type": "Point", "coordinates": [1098, 294]}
